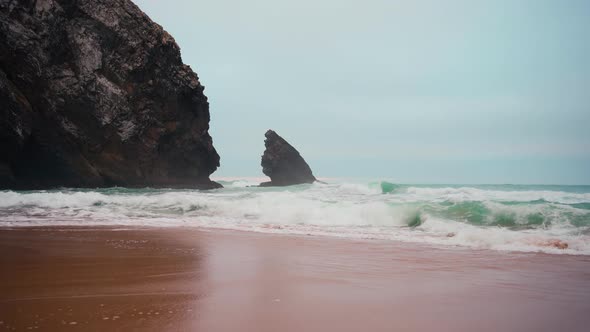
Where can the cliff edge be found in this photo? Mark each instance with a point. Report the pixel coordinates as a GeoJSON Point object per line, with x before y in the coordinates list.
{"type": "Point", "coordinates": [95, 94]}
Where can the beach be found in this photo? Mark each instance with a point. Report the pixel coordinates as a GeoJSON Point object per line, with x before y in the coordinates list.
{"type": "Point", "coordinates": [287, 166]}
{"type": "Point", "coordinates": [186, 279]}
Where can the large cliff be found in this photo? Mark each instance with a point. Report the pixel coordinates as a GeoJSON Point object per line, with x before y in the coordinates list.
{"type": "Point", "coordinates": [93, 94]}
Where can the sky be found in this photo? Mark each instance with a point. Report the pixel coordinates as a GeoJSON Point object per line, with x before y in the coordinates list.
{"type": "Point", "coordinates": [421, 91]}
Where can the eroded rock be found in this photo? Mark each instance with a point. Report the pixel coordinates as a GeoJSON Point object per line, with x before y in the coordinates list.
{"type": "Point", "coordinates": [93, 94]}
{"type": "Point", "coordinates": [283, 164]}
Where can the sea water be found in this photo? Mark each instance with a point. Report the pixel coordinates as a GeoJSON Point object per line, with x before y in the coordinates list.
{"type": "Point", "coordinates": [498, 217]}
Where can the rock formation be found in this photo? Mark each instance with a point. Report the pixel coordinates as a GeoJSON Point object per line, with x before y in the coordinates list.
{"type": "Point", "coordinates": [283, 164]}
{"type": "Point", "coordinates": [94, 94]}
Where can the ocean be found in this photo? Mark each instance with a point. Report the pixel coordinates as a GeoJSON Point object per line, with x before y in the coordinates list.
{"type": "Point", "coordinates": [526, 218]}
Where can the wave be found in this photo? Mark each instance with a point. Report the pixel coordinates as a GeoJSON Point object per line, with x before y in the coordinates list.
{"type": "Point", "coordinates": [476, 194]}
{"type": "Point", "coordinates": [524, 220]}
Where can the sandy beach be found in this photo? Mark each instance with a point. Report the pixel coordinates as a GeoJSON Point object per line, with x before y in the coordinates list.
{"type": "Point", "coordinates": [98, 279]}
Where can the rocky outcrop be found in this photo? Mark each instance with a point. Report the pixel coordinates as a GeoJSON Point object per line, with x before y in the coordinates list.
{"type": "Point", "coordinates": [93, 94]}
{"type": "Point", "coordinates": [283, 164]}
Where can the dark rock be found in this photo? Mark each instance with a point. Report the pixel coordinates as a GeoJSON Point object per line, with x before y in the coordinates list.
{"type": "Point", "coordinates": [93, 94]}
{"type": "Point", "coordinates": [283, 164]}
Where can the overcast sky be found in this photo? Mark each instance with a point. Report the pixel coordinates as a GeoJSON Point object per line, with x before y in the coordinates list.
{"type": "Point", "coordinates": [421, 91]}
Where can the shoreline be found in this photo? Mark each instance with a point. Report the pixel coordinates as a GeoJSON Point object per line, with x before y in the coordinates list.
{"type": "Point", "coordinates": [222, 280]}
{"type": "Point", "coordinates": [552, 247]}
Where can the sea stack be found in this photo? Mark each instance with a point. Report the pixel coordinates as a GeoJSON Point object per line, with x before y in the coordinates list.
{"type": "Point", "coordinates": [95, 94]}
{"type": "Point", "coordinates": [283, 164]}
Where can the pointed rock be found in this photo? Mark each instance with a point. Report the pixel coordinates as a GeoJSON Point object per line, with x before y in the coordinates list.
{"type": "Point", "coordinates": [283, 164]}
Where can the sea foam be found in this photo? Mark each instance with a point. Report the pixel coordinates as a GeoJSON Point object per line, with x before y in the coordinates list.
{"type": "Point", "coordinates": [483, 217]}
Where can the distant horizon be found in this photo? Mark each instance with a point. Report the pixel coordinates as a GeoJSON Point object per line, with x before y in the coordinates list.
{"type": "Point", "coordinates": [489, 91]}
{"type": "Point", "coordinates": [379, 179]}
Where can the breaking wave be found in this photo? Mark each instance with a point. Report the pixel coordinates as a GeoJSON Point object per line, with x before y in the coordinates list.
{"type": "Point", "coordinates": [521, 218]}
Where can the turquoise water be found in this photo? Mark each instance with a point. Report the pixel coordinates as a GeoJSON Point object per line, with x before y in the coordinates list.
{"type": "Point", "coordinates": [500, 217]}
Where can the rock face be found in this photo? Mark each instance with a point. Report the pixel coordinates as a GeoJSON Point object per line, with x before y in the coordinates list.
{"type": "Point", "coordinates": [283, 164]}
{"type": "Point", "coordinates": [93, 94]}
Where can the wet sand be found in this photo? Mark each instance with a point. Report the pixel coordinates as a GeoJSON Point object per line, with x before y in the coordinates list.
{"type": "Point", "coordinates": [101, 279]}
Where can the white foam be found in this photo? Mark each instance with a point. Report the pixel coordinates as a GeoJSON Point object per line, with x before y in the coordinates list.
{"type": "Point", "coordinates": [340, 210]}
{"type": "Point", "coordinates": [475, 194]}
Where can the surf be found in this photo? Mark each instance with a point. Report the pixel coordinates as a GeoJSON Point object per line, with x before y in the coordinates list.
{"type": "Point", "coordinates": [513, 218]}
